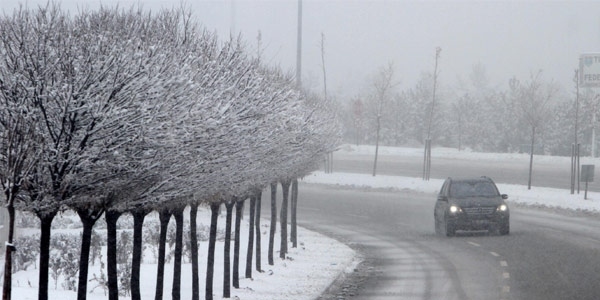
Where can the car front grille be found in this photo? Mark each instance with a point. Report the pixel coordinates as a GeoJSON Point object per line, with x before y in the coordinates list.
{"type": "Point", "coordinates": [479, 211]}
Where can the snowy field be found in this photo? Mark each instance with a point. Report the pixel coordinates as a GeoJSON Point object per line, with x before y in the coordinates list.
{"type": "Point", "coordinates": [518, 194]}
{"type": "Point", "coordinates": [307, 272]}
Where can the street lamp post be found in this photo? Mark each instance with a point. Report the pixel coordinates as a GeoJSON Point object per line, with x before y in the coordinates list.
{"type": "Point", "coordinates": [427, 154]}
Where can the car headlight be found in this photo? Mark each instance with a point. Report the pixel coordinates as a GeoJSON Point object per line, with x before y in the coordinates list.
{"type": "Point", "coordinates": [454, 209]}
{"type": "Point", "coordinates": [502, 208]}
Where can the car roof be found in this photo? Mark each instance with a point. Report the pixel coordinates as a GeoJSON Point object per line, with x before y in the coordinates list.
{"type": "Point", "coordinates": [471, 179]}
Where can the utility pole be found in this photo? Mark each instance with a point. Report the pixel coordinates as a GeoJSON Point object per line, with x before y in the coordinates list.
{"type": "Point", "coordinates": [329, 157]}
{"type": "Point", "coordinates": [232, 25]}
{"type": "Point", "coordinates": [594, 120]}
{"type": "Point", "coordinates": [299, 48]}
{"type": "Point", "coordinates": [575, 154]}
{"type": "Point", "coordinates": [323, 65]}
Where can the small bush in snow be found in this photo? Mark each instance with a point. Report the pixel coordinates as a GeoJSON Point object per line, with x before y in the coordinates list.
{"type": "Point", "coordinates": [66, 222]}
{"type": "Point", "coordinates": [96, 246]}
{"type": "Point", "coordinates": [151, 236]}
{"type": "Point", "coordinates": [125, 222]}
{"type": "Point", "coordinates": [171, 239]}
{"type": "Point", "coordinates": [124, 256]}
{"type": "Point", "coordinates": [26, 220]}
{"type": "Point", "coordinates": [26, 255]}
{"type": "Point", "coordinates": [101, 280]}
{"type": "Point", "coordinates": [64, 259]}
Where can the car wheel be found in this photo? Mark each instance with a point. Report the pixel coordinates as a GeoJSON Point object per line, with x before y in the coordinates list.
{"type": "Point", "coordinates": [450, 230]}
{"type": "Point", "coordinates": [504, 228]}
{"type": "Point", "coordinates": [436, 224]}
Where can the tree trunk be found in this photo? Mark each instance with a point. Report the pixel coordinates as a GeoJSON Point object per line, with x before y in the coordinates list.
{"type": "Point", "coordinates": [239, 206]}
{"type": "Point", "coordinates": [7, 287]}
{"type": "Point", "coordinates": [164, 216]}
{"type": "Point", "coordinates": [227, 251]}
{"type": "Point", "coordinates": [377, 144]}
{"type": "Point", "coordinates": [88, 218]}
{"type": "Point", "coordinates": [293, 229]}
{"type": "Point", "coordinates": [257, 230]}
{"type": "Point", "coordinates": [111, 218]}
{"type": "Point", "coordinates": [46, 230]}
{"type": "Point", "coordinates": [285, 186]}
{"type": "Point", "coordinates": [194, 248]}
{"type": "Point", "coordinates": [250, 248]}
{"type": "Point", "coordinates": [176, 291]}
{"type": "Point", "coordinates": [273, 221]}
{"type": "Point", "coordinates": [210, 265]}
{"type": "Point", "coordinates": [136, 260]}
{"type": "Point", "coordinates": [331, 162]}
{"type": "Point", "coordinates": [531, 157]}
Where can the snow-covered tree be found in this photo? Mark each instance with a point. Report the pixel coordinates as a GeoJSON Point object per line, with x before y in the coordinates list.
{"type": "Point", "coordinates": [19, 141]}
{"type": "Point", "coordinates": [535, 107]}
{"type": "Point", "coordinates": [135, 112]}
{"type": "Point", "coordinates": [33, 53]}
{"type": "Point", "coordinates": [90, 79]}
{"type": "Point", "coordinates": [383, 83]}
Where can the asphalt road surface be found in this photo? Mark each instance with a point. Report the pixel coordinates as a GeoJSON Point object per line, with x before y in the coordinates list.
{"type": "Point", "coordinates": [546, 255]}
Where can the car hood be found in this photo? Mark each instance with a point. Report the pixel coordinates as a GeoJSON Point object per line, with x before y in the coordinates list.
{"type": "Point", "coordinates": [477, 201]}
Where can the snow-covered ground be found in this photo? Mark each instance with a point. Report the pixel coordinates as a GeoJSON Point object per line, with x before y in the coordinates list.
{"type": "Point", "coordinates": [465, 154]}
{"type": "Point", "coordinates": [308, 272]}
{"type": "Point", "coordinates": [518, 194]}
{"type": "Point", "coordinates": [305, 274]}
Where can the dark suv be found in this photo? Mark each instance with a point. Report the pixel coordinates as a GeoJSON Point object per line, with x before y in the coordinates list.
{"type": "Point", "coordinates": [471, 204]}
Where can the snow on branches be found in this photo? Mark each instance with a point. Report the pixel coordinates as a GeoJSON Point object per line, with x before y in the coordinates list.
{"type": "Point", "coordinates": [132, 108]}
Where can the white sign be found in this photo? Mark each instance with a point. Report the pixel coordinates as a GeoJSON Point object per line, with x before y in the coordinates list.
{"type": "Point", "coordinates": [589, 70]}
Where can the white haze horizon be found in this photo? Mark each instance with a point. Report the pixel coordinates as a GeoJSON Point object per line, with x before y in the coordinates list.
{"type": "Point", "coordinates": [507, 38]}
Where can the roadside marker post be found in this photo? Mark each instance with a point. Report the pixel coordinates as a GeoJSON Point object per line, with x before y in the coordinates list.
{"type": "Point", "coordinates": [587, 175]}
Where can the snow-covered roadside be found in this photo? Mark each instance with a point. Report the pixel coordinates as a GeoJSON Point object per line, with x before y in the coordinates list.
{"type": "Point", "coordinates": [518, 194]}
{"type": "Point", "coordinates": [306, 273]}
{"type": "Point", "coordinates": [465, 154]}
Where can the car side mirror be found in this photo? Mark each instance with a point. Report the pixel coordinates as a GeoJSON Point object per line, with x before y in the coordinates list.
{"type": "Point", "coordinates": [504, 196]}
{"type": "Point", "coordinates": [442, 198]}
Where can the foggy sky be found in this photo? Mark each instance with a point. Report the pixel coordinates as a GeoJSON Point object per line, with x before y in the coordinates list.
{"type": "Point", "coordinates": [509, 38]}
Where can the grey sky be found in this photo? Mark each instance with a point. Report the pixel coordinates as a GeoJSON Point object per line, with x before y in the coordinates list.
{"type": "Point", "coordinates": [510, 38]}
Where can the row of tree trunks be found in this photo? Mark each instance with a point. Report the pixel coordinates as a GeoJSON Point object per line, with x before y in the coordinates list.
{"type": "Point", "coordinates": [136, 261]}
{"type": "Point", "coordinates": [45, 232]}
{"type": "Point", "coordinates": [194, 248]}
{"type": "Point", "coordinates": [164, 215]}
{"type": "Point", "coordinates": [293, 228]}
{"type": "Point", "coordinates": [227, 251]}
{"type": "Point", "coordinates": [212, 239]}
{"type": "Point", "coordinates": [257, 231]}
{"type": "Point", "coordinates": [7, 287]}
{"type": "Point", "coordinates": [231, 274]}
{"type": "Point", "coordinates": [176, 290]}
{"type": "Point", "coordinates": [90, 217]}
{"type": "Point", "coordinates": [285, 186]}
{"type": "Point", "coordinates": [239, 206]}
{"type": "Point", "coordinates": [111, 218]}
{"type": "Point", "coordinates": [250, 249]}
{"type": "Point", "coordinates": [273, 222]}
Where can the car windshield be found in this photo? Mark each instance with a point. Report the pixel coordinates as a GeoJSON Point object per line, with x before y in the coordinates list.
{"type": "Point", "coordinates": [472, 189]}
